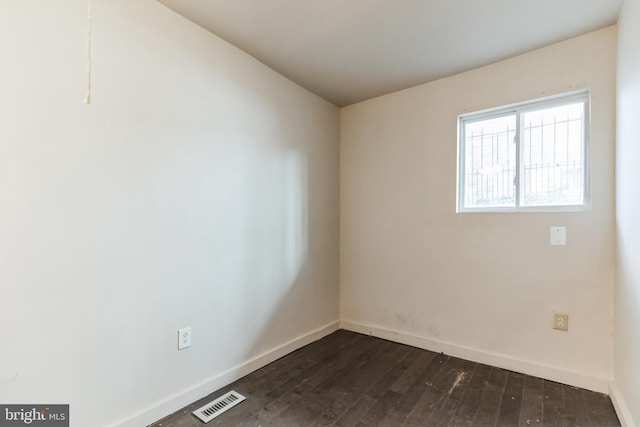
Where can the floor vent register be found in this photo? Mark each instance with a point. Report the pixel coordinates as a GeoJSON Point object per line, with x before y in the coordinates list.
{"type": "Point", "coordinates": [217, 407]}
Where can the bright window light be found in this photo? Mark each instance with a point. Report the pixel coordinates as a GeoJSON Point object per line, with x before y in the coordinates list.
{"type": "Point", "coordinates": [525, 157]}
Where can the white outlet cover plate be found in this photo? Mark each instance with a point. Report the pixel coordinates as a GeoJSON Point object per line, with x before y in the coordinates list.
{"type": "Point", "coordinates": [561, 321]}
{"type": "Point", "coordinates": [558, 236]}
{"type": "Point", "coordinates": [184, 338]}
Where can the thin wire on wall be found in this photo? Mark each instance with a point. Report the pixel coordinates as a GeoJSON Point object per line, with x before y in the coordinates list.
{"type": "Point", "coordinates": [87, 99]}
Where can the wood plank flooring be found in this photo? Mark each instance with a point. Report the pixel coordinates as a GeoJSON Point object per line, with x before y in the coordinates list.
{"type": "Point", "coordinates": [352, 380]}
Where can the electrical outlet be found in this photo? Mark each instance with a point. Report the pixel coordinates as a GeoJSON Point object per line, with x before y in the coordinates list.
{"type": "Point", "coordinates": [561, 321]}
{"type": "Point", "coordinates": [184, 338]}
{"type": "Point", "coordinates": [558, 236]}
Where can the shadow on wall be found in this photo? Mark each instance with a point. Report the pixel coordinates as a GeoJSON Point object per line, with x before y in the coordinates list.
{"type": "Point", "coordinates": [275, 283]}
{"type": "Point", "coordinates": [272, 273]}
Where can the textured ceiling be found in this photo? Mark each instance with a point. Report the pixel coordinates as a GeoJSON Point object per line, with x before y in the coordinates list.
{"type": "Point", "coordinates": [351, 50]}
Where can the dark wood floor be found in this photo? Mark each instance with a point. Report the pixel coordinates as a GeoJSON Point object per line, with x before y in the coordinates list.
{"type": "Point", "coordinates": [348, 379]}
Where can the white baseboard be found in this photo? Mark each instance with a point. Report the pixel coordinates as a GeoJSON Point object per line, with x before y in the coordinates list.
{"type": "Point", "coordinates": [185, 397]}
{"type": "Point", "coordinates": [620, 405]}
{"type": "Point", "coordinates": [577, 379]}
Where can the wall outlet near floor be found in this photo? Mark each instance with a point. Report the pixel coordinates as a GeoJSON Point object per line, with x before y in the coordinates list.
{"type": "Point", "coordinates": [561, 321]}
{"type": "Point", "coordinates": [184, 338]}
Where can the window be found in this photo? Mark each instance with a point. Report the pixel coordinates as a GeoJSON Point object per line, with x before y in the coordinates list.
{"type": "Point", "coordinates": [530, 156]}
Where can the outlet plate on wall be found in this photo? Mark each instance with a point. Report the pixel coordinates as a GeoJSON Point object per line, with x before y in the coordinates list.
{"type": "Point", "coordinates": [561, 321]}
{"type": "Point", "coordinates": [184, 338]}
{"type": "Point", "coordinates": [558, 236]}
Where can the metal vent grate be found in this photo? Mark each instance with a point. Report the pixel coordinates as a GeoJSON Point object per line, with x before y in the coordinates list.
{"type": "Point", "coordinates": [218, 406]}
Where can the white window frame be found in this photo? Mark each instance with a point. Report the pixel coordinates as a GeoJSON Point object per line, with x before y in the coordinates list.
{"type": "Point", "coordinates": [518, 109]}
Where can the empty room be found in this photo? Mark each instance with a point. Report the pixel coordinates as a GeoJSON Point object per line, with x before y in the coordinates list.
{"type": "Point", "coordinates": [319, 213]}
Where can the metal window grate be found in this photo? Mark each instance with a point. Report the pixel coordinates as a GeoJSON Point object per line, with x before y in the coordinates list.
{"type": "Point", "coordinates": [534, 154]}
{"type": "Point", "coordinates": [222, 404]}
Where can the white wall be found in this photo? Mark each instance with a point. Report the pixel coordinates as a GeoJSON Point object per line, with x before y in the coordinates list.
{"type": "Point", "coordinates": [627, 291]}
{"type": "Point", "coordinates": [481, 286]}
{"type": "Point", "coordinates": [199, 189]}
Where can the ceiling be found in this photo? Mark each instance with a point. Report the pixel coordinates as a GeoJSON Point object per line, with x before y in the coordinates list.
{"type": "Point", "coordinates": [351, 50]}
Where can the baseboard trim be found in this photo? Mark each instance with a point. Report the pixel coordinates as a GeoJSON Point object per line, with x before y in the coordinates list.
{"type": "Point", "coordinates": [620, 405]}
{"type": "Point", "coordinates": [528, 367]}
{"type": "Point", "coordinates": [185, 397]}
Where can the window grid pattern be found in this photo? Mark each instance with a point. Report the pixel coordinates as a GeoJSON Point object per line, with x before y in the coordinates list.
{"type": "Point", "coordinates": [530, 156]}
{"type": "Point", "coordinates": [490, 163]}
{"type": "Point", "coordinates": [553, 156]}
